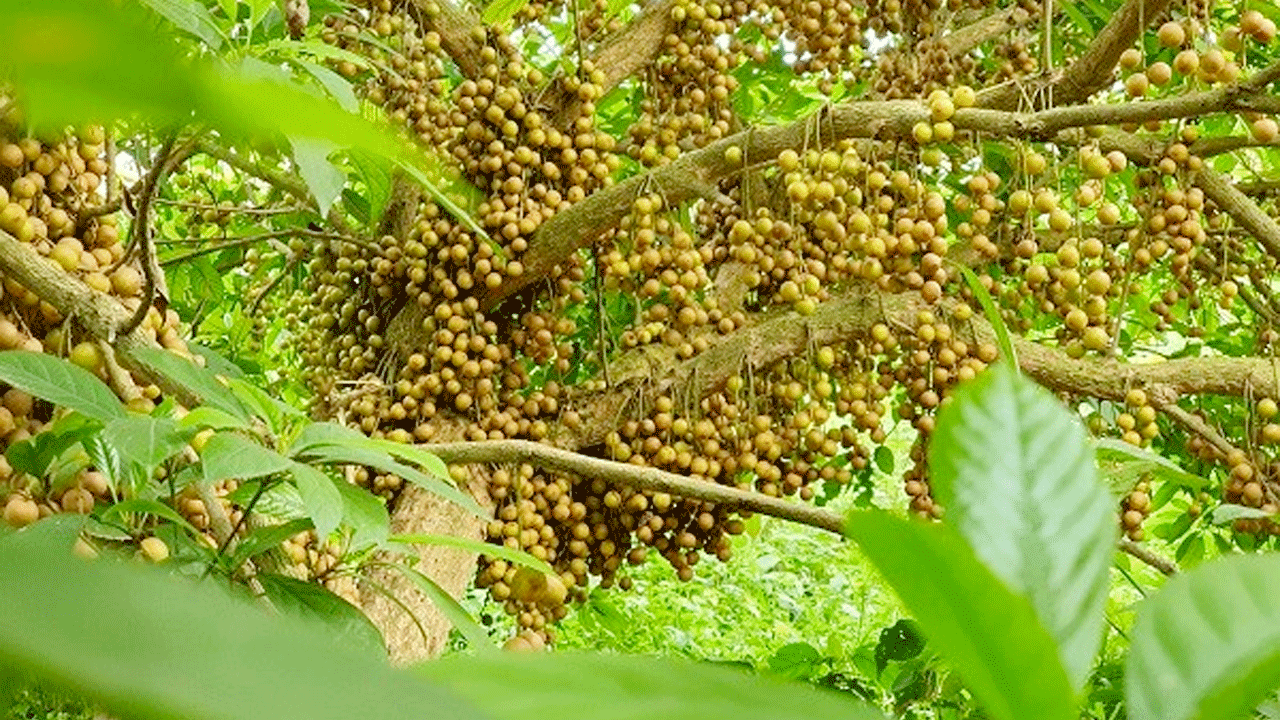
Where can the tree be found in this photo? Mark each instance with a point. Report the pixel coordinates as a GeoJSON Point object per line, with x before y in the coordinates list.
{"type": "Point", "coordinates": [677, 263]}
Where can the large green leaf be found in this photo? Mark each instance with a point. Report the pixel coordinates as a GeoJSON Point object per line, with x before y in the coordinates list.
{"type": "Point", "coordinates": [1207, 646]}
{"type": "Point", "coordinates": [312, 600]}
{"type": "Point", "coordinates": [521, 686]}
{"type": "Point", "coordinates": [518, 557]}
{"type": "Point", "coordinates": [324, 180]}
{"type": "Point", "coordinates": [192, 17]}
{"type": "Point", "coordinates": [333, 443]}
{"type": "Point", "coordinates": [145, 440]}
{"type": "Point", "coordinates": [1016, 474]}
{"type": "Point", "coordinates": [148, 646]}
{"type": "Point", "coordinates": [228, 455]}
{"type": "Point", "coordinates": [320, 497]}
{"type": "Point", "coordinates": [59, 382]}
{"type": "Point", "coordinates": [366, 514]}
{"type": "Point", "coordinates": [197, 380]}
{"type": "Point", "coordinates": [989, 634]}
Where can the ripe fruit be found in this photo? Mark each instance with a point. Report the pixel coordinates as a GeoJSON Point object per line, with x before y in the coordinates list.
{"type": "Point", "coordinates": [87, 355]}
{"type": "Point", "coordinates": [1171, 34]}
{"type": "Point", "coordinates": [154, 549]}
{"type": "Point", "coordinates": [1265, 130]}
{"type": "Point", "coordinates": [20, 511]}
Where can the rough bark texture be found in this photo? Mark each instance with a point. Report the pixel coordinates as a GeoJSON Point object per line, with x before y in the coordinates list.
{"type": "Point", "coordinates": [409, 640]}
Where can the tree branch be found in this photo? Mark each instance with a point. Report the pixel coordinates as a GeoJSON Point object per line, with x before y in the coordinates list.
{"type": "Point", "coordinates": [990, 27]}
{"type": "Point", "coordinates": [634, 476]}
{"type": "Point", "coordinates": [695, 173]}
{"type": "Point", "coordinates": [99, 313]}
{"type": "Point", "coordinates": [1092, 71]}
{"type": "Point", "coordinates": [1241, 208]}
{"type": "Point", "coordinates": [1141, 552]}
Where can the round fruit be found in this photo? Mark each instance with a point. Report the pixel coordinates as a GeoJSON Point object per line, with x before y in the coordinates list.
{"type": "Point", "coordinates": [1172, 34]}
{"type": "Point", "coordinates": [154, 549]}
{"type": "Point", "coordinates": [87, 355]}
{"type": "Point", "coordinates": [20, 511]}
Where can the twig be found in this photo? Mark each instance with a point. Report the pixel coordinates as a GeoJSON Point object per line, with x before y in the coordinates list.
{"type": "Point", "coordinates": [1164, 565]}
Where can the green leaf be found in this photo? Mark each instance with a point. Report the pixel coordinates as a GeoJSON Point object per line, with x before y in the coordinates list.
{"type": "Point", "coordinates": [1126, 463]}
{"type": "Point", "coordinates": [622, 687]}
{"type": "Point", "coordinates": [990, 635]}
{"type": "Point", "coordinates": [266, 538]}
{"type": "Point", "coordinates": [1015, 472]}
{"type": "Point", "coordinates": [191, 17]}
{"type": "Point", "coordinates": [500, 11]}
{"type": "Point", "coordinates": [1227, 513]}
{"type": "Point", "coordinates": [323, 179]}
{"type": "Point", "coordinates": [992, 313]}
{"type": "Point", "coordinates": [206, 416]}
{"type": "Point", "coordinates": [365, 514]}
{"type": "Point", "coordinates": [375, 173]}
{"type": "Point", "coordinates": [332, 443]}
{"type": "Point", "coordinates": [795, 661]}
{"type": "Point", "coordinates": [901, 641]}
{"type": "Point", "coordinates": [1207, 646]}
{"type": "Point", "coordinates": [449, 607]}
{"type": "Point", "coordinates": [228, 455]}
{"type": "Point", "coordinates": [339, 87]}
{"type": "Point", "coordinates": [59, 382]}
{"type": "Point", "coordinates": [251, 665]}
{"type": "Point", "coordinates": [518, 557]}
{"type": "Point", "coordinates": [149, 507]}
{"type": "Point", "coordinates": [884, 459]}
{"type": "Point", "coordinates": [147, 441]}
{"type": "Point", "coordinates": [320, 497]}
{"type": "Point", "coordinates": [311, 600]}
{"type": "Point", "coordinates": [37, 453]}
{"type": "Point", "coordinates": [197, 380]}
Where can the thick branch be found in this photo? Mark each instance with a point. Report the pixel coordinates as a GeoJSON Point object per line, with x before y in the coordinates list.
{"type": "Point", "coordinates": [623, 54]}
{"type": "Point", "coordinates": [1241, 208]}
{"type": "Point", "coordinates": [653, 371]}
{"type": "Point", "coordinates": [695, 173]}
{"type": "Point", "coordinates": [99, 313]}
{"type": "Point", "coordinates": [634, 476]}
{"type": "Point", "coordinates": [992, 26]}
{"type": "Point", "coordinates": [1090, 72]}
{"type": "Point", "coordinates": [458, 28]}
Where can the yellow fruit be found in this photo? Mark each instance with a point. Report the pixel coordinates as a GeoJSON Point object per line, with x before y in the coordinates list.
{"type": "Point", "coordinates": [1172, 34]}
{"type": "Point", "coordinates": [20, 511]}
{"type": "Point", "coordinates": [154, 549]}
{"type": "Point", "coordinates": [87, 355]}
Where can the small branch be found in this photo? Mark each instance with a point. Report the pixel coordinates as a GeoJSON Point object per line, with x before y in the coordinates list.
{"type": "Point", "coordinates": [1141, 552]}
{"type": "Point", "coordinates": [1197, 425]}
{"type": "Point", "coordinates": [236, 209]}
{"type": "Point", "coordinates": [140, 236]}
